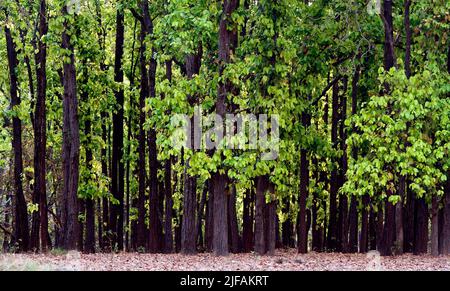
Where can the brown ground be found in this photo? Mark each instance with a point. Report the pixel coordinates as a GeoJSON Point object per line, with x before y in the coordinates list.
{"type": "Point", "coordinates": [283, 260]}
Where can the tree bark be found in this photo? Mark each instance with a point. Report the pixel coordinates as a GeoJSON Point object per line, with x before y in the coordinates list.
{"type": "Point", "coordinates": [261, 188]}
{"type": "Point", "coordinates": [304, 184]}
{"type": "Point", "coordinates": [21, 229]}
{"type": "Point", "coordinates": [118, 170]}
{"type": "Point", "coordinates": [71, 146]}
{"type": "Point", "coordinates": [332, 230]}
{"type": "Point", "coordinates": [40, 219]}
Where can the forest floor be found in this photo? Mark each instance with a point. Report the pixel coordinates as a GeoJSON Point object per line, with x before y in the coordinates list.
{"type": "Point", "coordinates": [282, 261]}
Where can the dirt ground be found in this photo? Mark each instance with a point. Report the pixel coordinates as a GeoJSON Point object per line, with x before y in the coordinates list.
{"type": "Point", "coordinates": [282, 261]}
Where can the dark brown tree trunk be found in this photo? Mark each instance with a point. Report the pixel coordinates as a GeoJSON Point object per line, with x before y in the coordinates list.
{"type": "Point", "coordinates": [408, 217]}
{"type": "Point", "coordinates": [364, 237]}
{"type": "Point", "coordinates": [343, 164]}
{"type": "Point", "coordinates": [200, 216]}
{"type": "Point", "coordinates": [446, 216]}
{"type": "Point", "coordinates": [144, 93]}
{"type": "Point", "coordinates": [21, 235]}
{"type": "Point", "coordinates": [435, 227]}
{"type": "Point", "coordinates": [89, 246]}
{"type": "Point", "coordinates": [372, 230]}
{"type": "Point", "coordinates": [220, 217]}
{"type": "Point", "coordinates": [270, 229]}
{"type": "Point", "coordinates": [408, 33]}
{"type": "Point", "coordinates": [389, 229]}
{"type": "Point", "coordinates": [155, 225]}
{"type": "Point", "coordinates": [40, 219]}
{"type": "Point", "coordinates": [262, 184]}
{"type": "Point", "coordinates": [188, 230]}
{"type": "Point", "coordinates": [71, 146]}
{"type": "Point", "coordinates": [227, 39]}
{"type": "Point", "coordinates": [247, 223]}
{"type": "Point", "coordinates": [399, 232]}
{"type": "Point", "coordinates": [332, 230]}
{"type": "Point", "coordinates": [287, 226]}
{"type": "Point", "coordinates": [421, 227]}
{"type": "Point", "coordinates": [233, 228]}
{"type": "Point", "coordinates": [379, 227]}
{"type": "Point", "coordinates": [389, 54]}
{"type": "Point", "coordinates": [353, 214]}
{"type": "Point", "coordinates": [118, 170]}
{"type": "Point", "coordinates": [304, 184]}
{"type": "Point", "coordinates": [168, 235]}
{"type": "Point", "coordinates": [209, 224]}
{"type": "Point", "coordinates": [446, 209]}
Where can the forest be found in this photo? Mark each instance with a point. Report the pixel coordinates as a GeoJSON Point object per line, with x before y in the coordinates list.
{"type": "Point", "coordinates": [355, 97]}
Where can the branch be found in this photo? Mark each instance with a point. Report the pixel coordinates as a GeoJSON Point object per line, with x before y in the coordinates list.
{"type": "Point", "coordinates": [137, 15]}
{"type": "Point", "coordinates": [328, 87]}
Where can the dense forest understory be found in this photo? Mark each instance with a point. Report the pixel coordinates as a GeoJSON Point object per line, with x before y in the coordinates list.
{"type": "Point", "coordinates": [348, 150]}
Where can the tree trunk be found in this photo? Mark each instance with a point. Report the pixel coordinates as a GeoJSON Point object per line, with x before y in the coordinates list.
{"type": "Point", "coordinates": [261, 188]}
{"type": "Point", "coordinates": [304, 185]}
{"type": "Point", "coordinates": [168, 235]}
{"type": "Point", "coordinates": [408, 217]}
{"type": "Point", "coordinates": [209, 224]}
{"type": "Point", "coordinates": [233, 228]}
{"type": "Point", "coordinates": [353, 215]}
{"type": "Point", "coordinates": [89, 246]}
{"type": "Point", "coordinates": [399, 233]}
{"type": "Point", "coordinates": [247, 223]}
{"type": "Point", "coordinates": [435, 227]}
{"type": "Point", "coordinates": [21, 236]}
{"type": "Point", "coordinates": [71, 146]}
{"type": "Point", "coordinates": [364, 238]}
{"type": "Point", "coordinates": [118, 170]}
{"type": "Point", "coordinates": [421, 227]}
{"type": "Point", "coordinates": [343, 163]}
{"type": "Point", "coordinates": [332, 230]}
{"type": "Point", "coordinates": [144, 93]}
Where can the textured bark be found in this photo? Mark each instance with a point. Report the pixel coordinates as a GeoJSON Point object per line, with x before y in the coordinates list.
{"type": "Point", "coordinates": [332, 230]}
{"type": "Point", "coordinates": [304, 184]}
{"type": "Point", "coordinates": [353, 214]}
{"type": "Point", "coordinates": [287, 227]}
{"type": "Point", "coordinates": [21, 229]}
{"type": "Point", "coordinates": [408, 40]}
{"type": "Point", "coordinates": [71, 146]}
{"type": "Point", "coordinates": [117, 167]}
{"type": "Point", "coordinates": [408, 223]}
{"type": "Point", "coordinates": [446, 210]}
{"type": "Point", "coordinates": [233, 227]}
{"type": "Point", "coordinates": [247, 220]}
{"type": "Point", "coordinates": [389, 54]}
{"type": "Point", "coordinates": [262, 184]}
{"type": "Point", "coordinates": [364, 237]}
{"type": "Point", "coordinates": [168, 234]}
{"type": "Point", "coordinates": [144, 93]}
{"type": "Point", "coordinates": [227, 39]}
{"type": "Point", "coordinates": [435, 227]}
{"type": "Point", "coordinates": [39, 230]}
{"type": "Point", "coordinates": [220, 220]}
{"type": "Point", "coordinates": [446, 220]}
{"type": "Point", "coordinates": [89, 245]}
{"type": "Point", "coordinates": [188, 233]}
{"type": "Point", "coordinates": [399, 232]}
{"type": "Point", "coordinates": [209, 224]}
{"type": "Point", "coordinates": [200, 216]}
{"type": "Point", "coordinates": [388, 230]}
{"type": "Point", "coordinates": [421, 227]}
{"type": "Point", "coordinates": [343, 164]}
